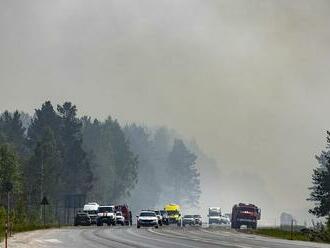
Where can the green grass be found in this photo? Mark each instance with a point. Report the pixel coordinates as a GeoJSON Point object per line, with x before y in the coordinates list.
{"type": "Point", "coordinates": [277, 233]}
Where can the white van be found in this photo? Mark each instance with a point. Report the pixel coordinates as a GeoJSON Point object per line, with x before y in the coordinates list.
{"type": "Point", "coordinates": [92, 208]}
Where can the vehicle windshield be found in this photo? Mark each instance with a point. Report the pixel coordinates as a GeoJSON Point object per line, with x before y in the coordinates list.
{"type": "Point", "coordinates": [214, 214]}
{"type": "Point", "coordinates": [147, 214]}
{"type": "Point", "coordinates": [243, 209]}
{"type": "Point", "coordinates": [163, 212]}
{"type": "Point", "coordinates": [157, 212]}
{"type": "Point", "coordinates": [173, 212]}
{"type": "Point", "coordinates": [188, 216]}
{"type": "Point", "coordinates": [118, 214]}
{"type": "Point", "coordinates": [105, 209]}
{"type": "Point", "coordinates": [91, 212]}
{"type": "Point", "coordinates": [197, 216]}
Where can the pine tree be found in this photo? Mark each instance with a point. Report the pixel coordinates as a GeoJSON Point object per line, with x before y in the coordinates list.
{"type": "Point", "coordinates": [184, 174]}
{"type": "Point", "coordinates": [10, 178]}
{"type": "Point", "coordinates": [13, 132]}
{"type": "Point", "coordinates": [321, 184]}
{"type": "Point", "coordinates": [146, 192]}
{"type": "Point", "coordinates": [43, 172]}
{"type": "Point", "coordinates": [77, 174]}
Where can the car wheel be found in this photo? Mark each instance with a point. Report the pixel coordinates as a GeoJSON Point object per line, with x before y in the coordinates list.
{"type": "Point", "coordinates": [156, 226]}
{"type": "Point", "coordinates": [138, 226]}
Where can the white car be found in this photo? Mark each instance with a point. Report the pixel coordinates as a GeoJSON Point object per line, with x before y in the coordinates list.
{"type": "Point", "coordinates": [106, 215]}
{"type": "Point", "coordinates": [120, 219]}
{"type": "Point", "coordinates": [91, 209]}
{"type": "Point", "coordinates": [159, 216]}
{"type": "Point", "coordinates": [147, 218]}
{"type": "Point", "coordinates": [224, 220]}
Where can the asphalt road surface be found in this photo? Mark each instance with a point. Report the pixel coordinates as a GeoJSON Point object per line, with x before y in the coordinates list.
{"type": "Point", "coordinates": [167, 237]}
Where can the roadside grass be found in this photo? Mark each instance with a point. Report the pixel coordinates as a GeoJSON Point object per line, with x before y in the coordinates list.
{"type": "Point", "coordinates": [283, 234]}
{"type": "Point", "coordinates": [25, 228]}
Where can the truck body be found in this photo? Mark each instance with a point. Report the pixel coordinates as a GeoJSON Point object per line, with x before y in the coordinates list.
{"type": "Point", "coordinates": [214, 215]}
{"type": "Point", "coordinates": [91, 209]}
{"type": "Point", "coordinates": [245, 214]}
{"type": "Point", "coordinates": [174, 213]}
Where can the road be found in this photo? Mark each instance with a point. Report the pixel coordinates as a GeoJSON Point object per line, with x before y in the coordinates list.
{"type": "Point", "coordinates": [168, 237]}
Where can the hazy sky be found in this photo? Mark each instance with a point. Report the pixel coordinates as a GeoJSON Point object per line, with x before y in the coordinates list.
{"type": "Point", "coordinates": [249, 80]}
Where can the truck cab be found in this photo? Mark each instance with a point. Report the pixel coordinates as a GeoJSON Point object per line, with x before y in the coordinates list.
{"type": "Point", "coordinates": [174, 213]}
{"type": "Point", "coordinates": [214, 215]}
{"type": "Point", "coordinates": [245, 214]}
{"type": "Point", "coordinates": [91, 209]}
{"type": "Point", "coordinates": [106, 215]}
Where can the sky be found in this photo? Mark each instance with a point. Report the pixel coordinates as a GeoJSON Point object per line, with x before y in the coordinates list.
{"type": "Point", "coordinates": [248, 80]}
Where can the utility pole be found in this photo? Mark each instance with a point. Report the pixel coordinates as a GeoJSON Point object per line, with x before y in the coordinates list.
{"type": "Point", "coordinates": [8, 186]}
{"type": "Point", "coordinates": [44, 202]}
{"type": "Point", "coordinates": [42, 179]}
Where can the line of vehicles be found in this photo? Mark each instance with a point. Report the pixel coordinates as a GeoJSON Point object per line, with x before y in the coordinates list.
{"type": "Point", "coordinates": [242, 215]}
{"type": "Point", "coordinates": [93, 213]}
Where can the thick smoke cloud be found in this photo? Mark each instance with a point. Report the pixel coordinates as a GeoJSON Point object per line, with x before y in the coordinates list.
{"type": "Point", "coordinates": [248, 79]}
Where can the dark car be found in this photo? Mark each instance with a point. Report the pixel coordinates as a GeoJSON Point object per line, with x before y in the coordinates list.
{"type": "Point", "coordinates": [82, 219]}
{"type": "Point", "coordinates": [164, 214]}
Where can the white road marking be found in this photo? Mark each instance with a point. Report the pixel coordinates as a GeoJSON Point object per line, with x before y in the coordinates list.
{"type": "Point", "coordinates": [44, 241]}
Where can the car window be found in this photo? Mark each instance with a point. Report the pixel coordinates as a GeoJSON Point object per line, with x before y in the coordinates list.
{"type": "Point", "coordinates": [147, 214]}
{"type": "Point", "coordinates": [105, 209]}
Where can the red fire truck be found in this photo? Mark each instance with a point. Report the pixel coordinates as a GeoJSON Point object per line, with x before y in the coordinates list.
{"type": "Point", "coordinates": [127, 214]}
{"type": "Point", "coordinates": [245, 214]}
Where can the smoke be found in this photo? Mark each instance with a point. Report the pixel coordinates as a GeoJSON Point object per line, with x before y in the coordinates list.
{"type": "Point", "coordinates": [248, 79]}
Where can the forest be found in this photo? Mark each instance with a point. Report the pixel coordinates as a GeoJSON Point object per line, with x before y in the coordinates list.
{"type": "Point", "coordinates": [64, 157]}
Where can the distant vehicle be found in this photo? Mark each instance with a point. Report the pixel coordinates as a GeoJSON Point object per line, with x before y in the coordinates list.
{"type": "Point", "coordinates": [188, 220]}
{"type": "Point", "coordinates": [82, 219]}
{"type": "Point", "coordinates": [147, 218]}
{"type": "Point", "coordinates": [214, 215]}
{"type": "Point", "coordinates": [245, 214]}
{"type": "Point", "coordinates": [126, 213]}
{"type": "Point", "coordinates": [160, 217]}
{"type": "Point", "coordinates": [120, 218]}
{"type": "Point", "coordinates": [174, 213]}
{"type": "Point", "coordinates": [106, 215]}
{"type": "Point", "coordinates": [198, 219]}
{"type": "Point", "coordinates": [91, 209]}
{"type": "Point", "coordinates": [225, 219]}
{"type": "Point", "coordinates": [164, 217]}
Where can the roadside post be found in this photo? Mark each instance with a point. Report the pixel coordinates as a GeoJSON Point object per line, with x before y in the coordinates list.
{"type": "Point", "coordinates": [44, 202]}
{"type": "Point", "coordinates": [291, 233]}
{"type": "Point", "coordinates": [7, 186]}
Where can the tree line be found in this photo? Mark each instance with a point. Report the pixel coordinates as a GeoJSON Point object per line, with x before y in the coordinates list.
{"type": "Point", "coordinates": [56, 153]}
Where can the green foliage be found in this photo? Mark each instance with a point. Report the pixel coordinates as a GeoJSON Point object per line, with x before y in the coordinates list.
{"type": "Point", "coordinates": [77, 175]}
{"type": "Point", "coordinates": [278, 233]}
{"type": "Point", "coordinates": [114, 165]}
{"type": "Point", "coordinates": [9, 169]}
{"type": "Point", "coordinates": [44, 170]}
{"type": "Point", "coordinates": [146, 192]}
{"type": "Point", "coordinates": [321, 184]}
{"type": "Point", "coordinates": [184, 174]}
{"type": "Point", "coordinates": [12, 131]}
